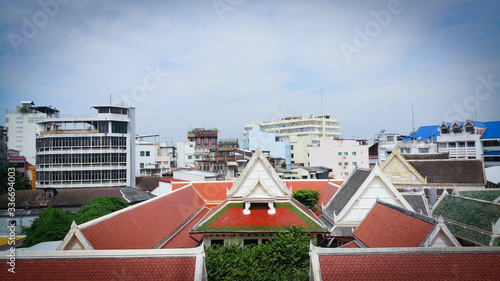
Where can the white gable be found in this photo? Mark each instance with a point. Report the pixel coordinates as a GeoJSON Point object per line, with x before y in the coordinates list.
{"type": "Point", "coordinates": [259, 181]}
{"type": "Point", "coordinates": [376, 186]}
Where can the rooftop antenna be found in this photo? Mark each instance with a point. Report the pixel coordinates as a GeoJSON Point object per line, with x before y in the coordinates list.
{"type": "Point", "coordinates": [413, 117]}
{"type": "Point", "coordinates": [475, 107]}
{"type": "Point", "coordinates": [321, 101]}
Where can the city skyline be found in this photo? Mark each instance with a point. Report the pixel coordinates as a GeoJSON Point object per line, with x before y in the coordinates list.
{"type": "Point", "coordinates": [225, 64]}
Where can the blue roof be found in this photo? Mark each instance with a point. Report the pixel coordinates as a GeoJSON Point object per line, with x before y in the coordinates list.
{"type": "Point", "coordinates": [492, 130]}
{"type": "Point", "coordinates": [425, 133]}
{"type": "Point", "coordinates": [492, 153]}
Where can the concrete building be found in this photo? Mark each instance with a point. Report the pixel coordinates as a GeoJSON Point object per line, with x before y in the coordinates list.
{"type": "Point", "coordinates": [490, 141]}
{"type": "Point", "coordinates": [342, 156]}
{"type": "Point", "coordinates": [257, 136]}
{"type": "Point", "coordinates": [461, 139]}
{"type": "Point", "coordinates": [315, 127]}
{"type": "Point", "coordinates": [22, 128]}
{"type": "Point", "coordinates": [87, 151]}
{"type": "Point", "coordinates": [152, 158]}
{"type": "Point", "coordinates": [185, 154]}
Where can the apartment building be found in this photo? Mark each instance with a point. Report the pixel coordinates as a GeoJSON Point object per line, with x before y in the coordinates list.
{"type": "Point", "coordinates": [22, 129]}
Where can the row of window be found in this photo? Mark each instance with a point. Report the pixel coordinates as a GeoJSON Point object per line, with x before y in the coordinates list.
{"type": "Point", "coordinates": [347, 163]}
{"type": "Point", "coordinates": [76, 142]}
{"type": "Point", "coordinates": [145, 153]}
{"type": "Point", "coordinates": [114, 110]}
{"type": "Point", "coordinates": [95, 175]}
{"type": "Point", "coordinates": [84, 158]}
{"type": "Point", "coordinates": [492, 159]}
{"type": "Point", "coordinates": [491, 143]}
{"type": "Point", "coordinates": [347, 153]}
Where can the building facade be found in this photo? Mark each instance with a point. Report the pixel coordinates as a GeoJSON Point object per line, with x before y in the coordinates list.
{"type": "Point", "coordinates": [315, 127]}
{"type": "Point", "coordinates": [22, 128]}
{"type": "Point", "coordinates": [461, 139]}
{"type": "Point", "coordinates": [87, 151]}
{"type": "Point", "coordinates": [342, 156]}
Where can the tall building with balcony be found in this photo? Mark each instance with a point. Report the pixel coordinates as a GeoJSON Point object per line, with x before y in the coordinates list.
{"type": "Point", "coordinates": [87, 151]}
{"type": "Point", "coordinates": [22, 129]}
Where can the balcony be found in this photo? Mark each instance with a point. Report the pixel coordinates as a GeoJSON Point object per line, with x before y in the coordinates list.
{"type": "Point", "coordinates": [69, 132]}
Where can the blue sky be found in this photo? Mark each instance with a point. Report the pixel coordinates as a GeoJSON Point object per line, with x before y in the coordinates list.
{"type": "Point", "coordinates": [228, 63]}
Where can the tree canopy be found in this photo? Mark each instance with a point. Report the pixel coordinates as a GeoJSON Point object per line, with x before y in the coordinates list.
{"type": "Point", "coordinates": [20, 182]}
{"type": "Point", "coordinates": [98, 207]}
{"type": "Point", "coordinates": [307, 197]}
{"type": "Point", "coordinates": [53, 224]}
{"type": "Point", "coordinates": [285, 257]}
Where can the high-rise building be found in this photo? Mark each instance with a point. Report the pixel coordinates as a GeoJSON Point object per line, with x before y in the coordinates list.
{"type": "Point", "coordinates": [87, 151]}
{"type": "Point", "coordinates": [22, 129]}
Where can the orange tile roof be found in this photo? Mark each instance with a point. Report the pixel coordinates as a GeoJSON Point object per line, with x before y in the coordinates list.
{"type": "Point", "coordinates": [386, 227]}
{"type": "Point", "coordinates": [144, 225]}
{"type": "Point", "coordinates": [157, 268]}
{"type": "Point", "coordinates": [183, 238]}
{"type": "Point", "coordinates": [317, 185]}
{"type": "Point", "coordinates": [257, 217]}
{"type": "Point", "coordinates": [215, 191]}
{"type": "Point", "coordinates": [410, 266]}
{"type": "Point", "coordinates": [327, 193]}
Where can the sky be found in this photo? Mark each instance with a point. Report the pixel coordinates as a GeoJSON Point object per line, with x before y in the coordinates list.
{"type": "Point", "coordinates": [228, 63]}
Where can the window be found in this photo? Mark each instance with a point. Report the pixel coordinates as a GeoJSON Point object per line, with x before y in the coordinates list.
{"type": "Point", "coordinates": [346, 153]}
{"type": "Point", "coordinates": [423, 150]}
{"type": "Point", "coordinates": [354, 163]}
{"type": "Point", "coordinates": [190, 157]}
{"type": "Point", "coordinates": [461, 144]}
{"type": "Point", "coordinates": [141, 165]}
{"type": "Point", "coordinates": [340, 163]}
{"type": "Point", "coordinates": [142, 153]}
{"type": "Point", "coordinates": [452, 144]}
{"type": "Point", "coordinates": [340, 153]}
{"type": "Point", "coordinates": [217, 242]}
{"type": "Point", "coordinates": [147, 153]}
{"type": "Point", "coordinates": [11, 222]}
{"type": "Point", "coordinates": [264, 241]}
{"type": "Point", "coordinates": [457, 130]}
{"type": "Point", "coordinates": [469, 129]}
{"type": "Point", "coordinates": [471, 144]}
{"type": "Point", "coordinates": [353, 153]}
{"type": "Point", "coordinates": [250, 242]}
{"type": "Point", "coordinates": [445, 131]}
{"type": "Point", "coordinates": [346, 163]}
{"type": "Point", "coordinates": [390, 138]}
{"type": "Point", "coordinates": [346, 173]}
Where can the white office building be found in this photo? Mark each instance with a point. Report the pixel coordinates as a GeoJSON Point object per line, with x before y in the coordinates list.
{"type": "Point", "coordinates": [96, 150]}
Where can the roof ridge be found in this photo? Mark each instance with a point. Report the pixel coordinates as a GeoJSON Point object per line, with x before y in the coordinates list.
{"type": "Point", "coordinates": [408, 212]}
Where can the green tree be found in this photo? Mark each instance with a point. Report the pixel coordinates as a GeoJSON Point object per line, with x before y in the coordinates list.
{"type": "Point", "coordinates": [309, 198]}
{"type": "Point", "coordinates": [98, 207]}
{"type": "Point", "coordinates": [52, 225]}
{"type": "Point", "coordinates": [285, 257]}
{"type": "Point", "coordinates": [20, 182]}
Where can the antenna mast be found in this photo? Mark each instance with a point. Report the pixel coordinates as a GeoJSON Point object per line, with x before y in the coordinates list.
{"type": "Point", "coordinates": [412, 117]}
{"type": "Point", "coordinates": [321, 101]}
